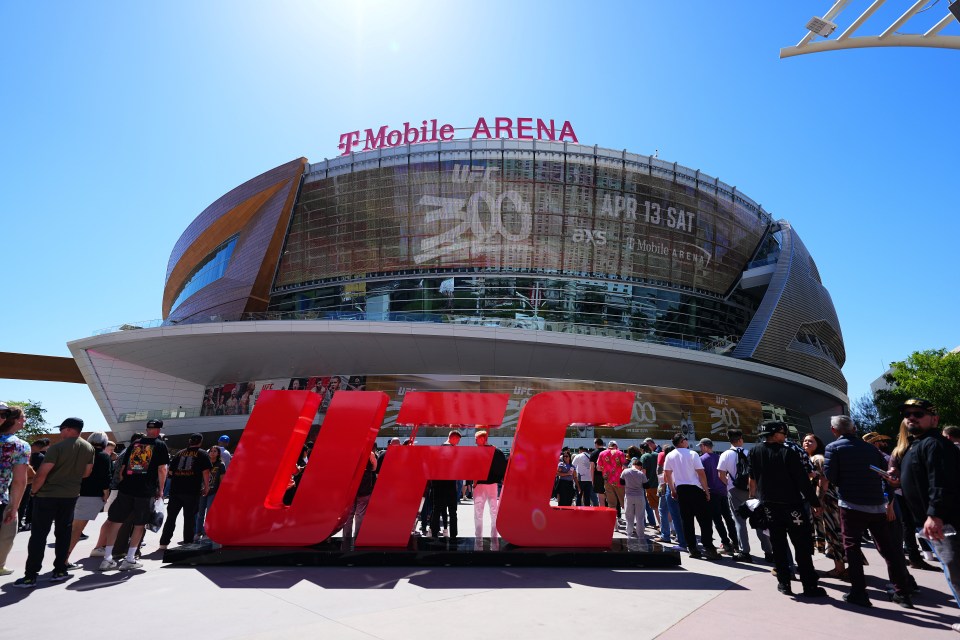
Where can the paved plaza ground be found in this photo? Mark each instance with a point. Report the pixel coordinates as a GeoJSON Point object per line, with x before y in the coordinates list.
{"type": "Point", "coordinates": [720, 599]}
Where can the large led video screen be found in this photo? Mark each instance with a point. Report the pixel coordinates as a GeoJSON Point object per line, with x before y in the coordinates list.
{"type": "Point", "coordinates": [658, 412]}
{"type": "Point", "coordinates": [557, 214]}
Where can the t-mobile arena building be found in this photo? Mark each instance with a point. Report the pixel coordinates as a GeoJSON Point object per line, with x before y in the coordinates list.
{"type": "Point", "coordinates": [512, 259]}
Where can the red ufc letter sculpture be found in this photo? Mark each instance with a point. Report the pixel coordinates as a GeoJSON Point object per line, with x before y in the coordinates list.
{"type": "Point", "coordinates": [405, 471]}
{"type": "Point", "coordinates": [250, 510]}
{"type": "Point", "coordinates": [526, 517]}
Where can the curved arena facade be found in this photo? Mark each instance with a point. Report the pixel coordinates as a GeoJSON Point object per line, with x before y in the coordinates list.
{"type": "Point", "coordinates": [495, 265]}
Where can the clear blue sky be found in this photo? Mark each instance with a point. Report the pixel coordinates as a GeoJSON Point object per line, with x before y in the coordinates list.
{"type": "Point", "coordinates": [123, 120]}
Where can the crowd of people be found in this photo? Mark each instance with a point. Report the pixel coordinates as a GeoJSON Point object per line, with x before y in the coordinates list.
{"type": "Point", "coordinates": [799, 497]}
{"type": "Point", "coordinates": [64, 486]}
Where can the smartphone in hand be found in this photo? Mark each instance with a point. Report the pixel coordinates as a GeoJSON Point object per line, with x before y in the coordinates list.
{"type": "Point", "coordinates": [882, 472]}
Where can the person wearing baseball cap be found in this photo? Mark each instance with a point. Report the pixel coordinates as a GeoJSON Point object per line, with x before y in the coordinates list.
{"type": "Point", "coordinates": [930, 480]}
{"type": "Point", "coordinates": [225, 456]}
{"type": "Point", "coordinates": [55, 490]}
{"type": "Point", "coordinates": [611, 463]}
{"type": "Point", "coordinates": [778, 478]}
{"type": "Point", "coordinates": [719, 504]}
{"type": "Point", "coordinates": [143, 472]}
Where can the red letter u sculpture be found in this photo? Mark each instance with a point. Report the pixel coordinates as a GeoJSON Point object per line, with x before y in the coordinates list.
{"type": "Point", "coordinates": [250, 509]}
{"type": "Point", "coordinates": [526, 517]}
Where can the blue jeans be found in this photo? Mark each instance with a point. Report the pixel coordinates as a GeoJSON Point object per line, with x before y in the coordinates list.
{"type": "Point", "coordinates": [205, 504]}
{"type": "Point", "coordinates": [651, 517]}
{"type": "Point", "coordinates": [670, 506]}
{"type": "Point", "coordinates": [948, 553]}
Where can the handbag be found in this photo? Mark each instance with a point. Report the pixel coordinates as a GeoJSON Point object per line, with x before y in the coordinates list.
{"type": "Point", "coordinates": [156, 517]}
{"type": "Point", "coordinates": [757, 517]}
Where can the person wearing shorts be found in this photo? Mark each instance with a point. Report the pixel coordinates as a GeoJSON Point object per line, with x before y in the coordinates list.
{"type": "Point", "coordinates": [138, 508]}
{"type": "Point", "coordinates": [143, 471]}
{"type": "Point", "coordinates": [94, 489]}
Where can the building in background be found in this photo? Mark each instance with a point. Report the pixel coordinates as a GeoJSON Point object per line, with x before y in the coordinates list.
{"type": "Point", "coordinates": [501, 265]}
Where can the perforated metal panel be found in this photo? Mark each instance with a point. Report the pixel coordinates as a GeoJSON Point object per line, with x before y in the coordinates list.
{"type": "Point", "coordinates": [796, 299]}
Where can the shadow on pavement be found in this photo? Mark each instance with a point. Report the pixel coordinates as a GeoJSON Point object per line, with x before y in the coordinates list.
{"type": "Point", "coordinates": [459, 578]}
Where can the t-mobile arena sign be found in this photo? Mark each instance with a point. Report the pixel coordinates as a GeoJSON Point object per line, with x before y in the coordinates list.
{"type": "Point", "coordinates": [432, 131]}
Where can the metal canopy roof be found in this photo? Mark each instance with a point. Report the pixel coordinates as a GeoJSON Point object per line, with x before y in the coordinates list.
{"type": "Point", "coordinates": [218, 352]}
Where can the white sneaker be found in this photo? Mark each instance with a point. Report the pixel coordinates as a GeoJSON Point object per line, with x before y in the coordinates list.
{"type": "Point", "coordinates": [126, 565]}
{"type": "Point", "coordinates": [108, 564]}
{"type": "Point", "coordinates": [5, 572]}
{"type": "Point", "coordinates": [98, 552]}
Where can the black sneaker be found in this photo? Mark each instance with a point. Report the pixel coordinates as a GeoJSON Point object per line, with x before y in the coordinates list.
{"type": "Point", "coordinates": [912, 588]}
{"type": "Point", "coordinates": [73, 566]}
{"type": "Point", "coordinates": [859, 599]}
{"type": "Point", "coordinates": [901, 599]}
{"type": "Point", "coordinates": [711, 554]}
{"type": "Point", "coordinates": [922, 565]}
{"type": "Point", "coordinates": [784, 588]}
{"type": "Point", "coordinates": [25, 583]}
{"type": "Point", "coordinates": [743, 557]}
{"type": "Point", "coordinates": [815, 592]}
{"type": "Point", "coordinates": [60, 576]}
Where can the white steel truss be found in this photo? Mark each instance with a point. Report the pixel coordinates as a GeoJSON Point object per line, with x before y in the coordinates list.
{"type": "Point", "coordinates": [889, 37]}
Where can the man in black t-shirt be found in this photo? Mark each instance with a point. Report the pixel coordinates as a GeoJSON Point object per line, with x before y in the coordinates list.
{"type": "Point", "coordinates": [189, 479]}
{"type": "Point", "coordinates": [778, 479]}
{"type": "Point", "coordinates": [444, 496]}
{"type": "Point", "coordinates": [143, 472]}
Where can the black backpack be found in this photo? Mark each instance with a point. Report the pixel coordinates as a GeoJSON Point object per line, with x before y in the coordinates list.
{"type": "Point", "coordinates": [742, 481]}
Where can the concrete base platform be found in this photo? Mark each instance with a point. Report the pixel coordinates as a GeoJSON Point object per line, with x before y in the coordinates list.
{"type": "Point", "coordinates": [443, 552]}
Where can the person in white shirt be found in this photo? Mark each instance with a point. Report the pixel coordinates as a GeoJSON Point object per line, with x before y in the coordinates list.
{"type": "Point", "coordinates": [684, 474]}
{"type": "Point", "coordinates": [738, 491]}
{"type": "Point", "coordinates": [586, 496]}
{"type": "Point", "coordinates": [225, 456]}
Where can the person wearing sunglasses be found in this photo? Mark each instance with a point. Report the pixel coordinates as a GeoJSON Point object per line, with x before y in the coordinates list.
{"type": "Point", "coordinates": [930, 480]}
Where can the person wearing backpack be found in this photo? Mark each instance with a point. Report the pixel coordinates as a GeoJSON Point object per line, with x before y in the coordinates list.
{"type": "Point", "coordinates": [734, 469]}
{"type": "Point", "coordinates": [143, 469]}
